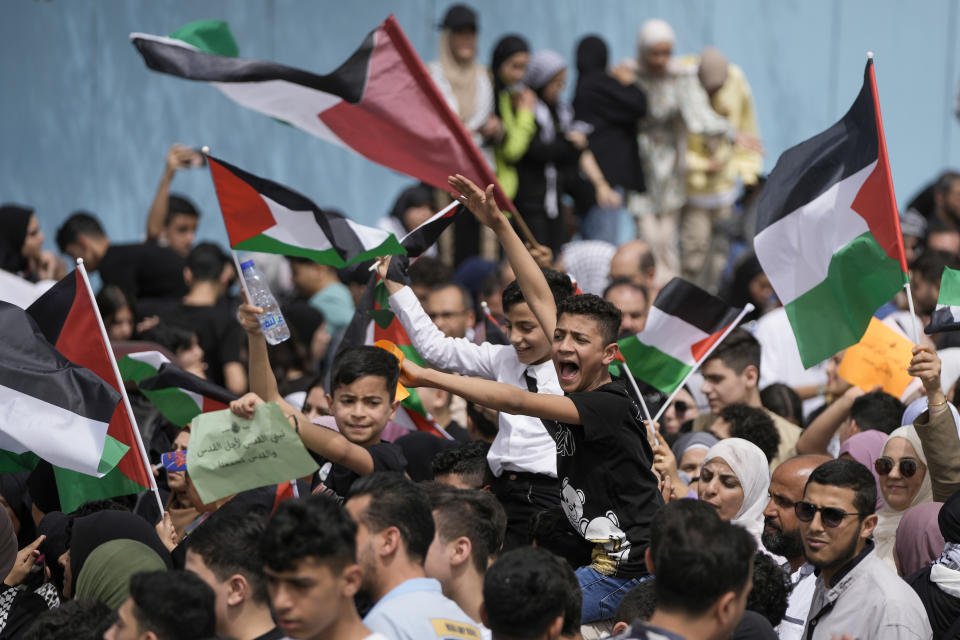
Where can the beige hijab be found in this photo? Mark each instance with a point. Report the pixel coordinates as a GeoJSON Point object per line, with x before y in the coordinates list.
{"type": "Point", "coordinates": [885, 535]}
{"type": "Point", "coordinates": [462, 77]}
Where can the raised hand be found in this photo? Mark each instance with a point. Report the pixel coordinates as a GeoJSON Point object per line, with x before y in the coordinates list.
{"type": "Point", "coordinates": [412, 374]}
{"type": "Point", "coordinates": [926, 366]}
{"type": "Point", "coordinates": [245, 405]}
{"type": "Point", "coordinates": [482, 204]}
{"type": "Point", "coordinates": [26, 558]}
{"type": "Point", "coordinates": [247, 315]}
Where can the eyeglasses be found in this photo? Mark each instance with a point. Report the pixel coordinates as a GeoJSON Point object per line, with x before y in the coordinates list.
{"type": "Point", "coordinates": [830, 516]}
{"type": "Point", "coordinates": [885, 464]}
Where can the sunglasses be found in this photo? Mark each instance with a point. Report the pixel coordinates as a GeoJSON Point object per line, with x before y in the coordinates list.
{"type": "Point", "coordinates": [680, 407]}
{"type": "Point", "coordinates": [830, 516]}
{"type": "Point", "coordinates": [884, 465]}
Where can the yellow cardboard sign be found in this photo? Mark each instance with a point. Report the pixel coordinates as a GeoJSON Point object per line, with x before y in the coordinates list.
{"type": "Point", "coordinates": [880, 358]}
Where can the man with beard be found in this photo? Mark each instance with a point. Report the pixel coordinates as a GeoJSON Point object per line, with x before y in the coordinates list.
{"type": "Point", "coordinates": [781, 536]}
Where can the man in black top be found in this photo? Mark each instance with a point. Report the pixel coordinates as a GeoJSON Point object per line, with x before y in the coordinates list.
{"type": "Point", "coordinates": [205, 311]}
{"type": "Point", "coordinates": [608, 490]}
{"type": "Point", "coordinates": [224, 552]}
{"type": "Point", "coordinates": [143, 271]}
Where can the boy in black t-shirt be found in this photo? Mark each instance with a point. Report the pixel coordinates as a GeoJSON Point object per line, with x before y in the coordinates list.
{"type": "Point", "coordinates": [362, 400]}
{"type": "Point", "coordinates": [608, 490]}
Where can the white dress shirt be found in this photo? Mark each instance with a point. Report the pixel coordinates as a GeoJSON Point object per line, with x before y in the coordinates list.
{"type": "Point", "coordinates": [522, 443]}
{"type": "Point", "coordinates": [804, 582]}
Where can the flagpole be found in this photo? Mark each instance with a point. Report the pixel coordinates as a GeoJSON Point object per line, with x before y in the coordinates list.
{"type": "Point", "coordinates": [643, 403]}
{"type": "Point", "coordinates": [733, 325]}
{"type": "Point", "coordinates": [123, 391]}
{"type": "Point", "coordinates": [243, 283]}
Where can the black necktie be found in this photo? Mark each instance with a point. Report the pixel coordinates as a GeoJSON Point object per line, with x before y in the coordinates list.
{"type": "Point", "coordinates": [531, 381]}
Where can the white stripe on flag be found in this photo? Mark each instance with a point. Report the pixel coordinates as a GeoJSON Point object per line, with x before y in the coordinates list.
{"type": "Point", "coordinates": [671, 335]}
{"type": "Point", "coordinates": [370, 237]}
{"type": "Point", "coordinates": [296, 228]}
{"type": "Point", "coordinates": [796, 250]}
{"type": "Point", "coordinates": [61, 437]}
{"type": "Point", "coordinates": [196, 397]}
{"type": "Point", "coordinates": [153, 358]}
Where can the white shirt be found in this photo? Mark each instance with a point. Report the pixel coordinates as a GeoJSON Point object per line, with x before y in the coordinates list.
{"type": "Point", "coordinates": [780, 358]}
{"type": "Point", "coordinates": [804, 582]}
{"type": "Point", "coordinates": [418, 610]}
{"type": "Point", "coordinates": [522, 443]}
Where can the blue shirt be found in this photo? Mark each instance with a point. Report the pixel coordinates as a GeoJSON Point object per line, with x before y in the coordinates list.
{"type": "Point", "coordinates": [418, 610]}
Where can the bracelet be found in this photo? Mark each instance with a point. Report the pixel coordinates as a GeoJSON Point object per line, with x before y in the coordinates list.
{"type": "Point", "coordinates": [296, 423]}
{"type": "Point", "coordinates": [936, 404]}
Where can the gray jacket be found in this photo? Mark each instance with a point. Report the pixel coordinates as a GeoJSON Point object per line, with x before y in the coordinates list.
{"type": "Point", "coordinates": [870, 602]}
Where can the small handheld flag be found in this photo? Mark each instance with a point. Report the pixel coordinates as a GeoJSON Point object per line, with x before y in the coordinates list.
{"type": "Point", "coordinates": [947, 315]}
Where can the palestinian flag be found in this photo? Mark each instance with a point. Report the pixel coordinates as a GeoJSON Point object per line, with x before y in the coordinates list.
{"type": "Point", "coordinates": [261, 215]}
{"type": "Point", "coordinates": [180, 396]}
{"type": "Point", "coordinates": [947, 315]}
{"type": "Point", "coordinates": [52, 409]}
{"type": "Point", "coordinates": [380, 102]}
{"type": "Point", "coordinates": [373, 320]}
{"type": "Point", "coordinates": [829, 235]}
{"type": "Point", "coordinates": [66, 316]}
{"type": "Point", "coordinates": [684, 324]}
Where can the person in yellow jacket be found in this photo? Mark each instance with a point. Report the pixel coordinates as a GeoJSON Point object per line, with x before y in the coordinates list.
{"type": "Point", "coordinates": [717, 168]}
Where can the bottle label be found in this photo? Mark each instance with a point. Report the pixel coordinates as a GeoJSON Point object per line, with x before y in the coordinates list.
{"type": "Point", "coordinates": [268, 320]}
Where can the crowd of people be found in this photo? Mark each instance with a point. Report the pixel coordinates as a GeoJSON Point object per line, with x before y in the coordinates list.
{"type": "Point", "coordinates": [769, 501]}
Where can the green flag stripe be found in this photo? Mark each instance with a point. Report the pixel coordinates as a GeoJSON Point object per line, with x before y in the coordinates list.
{"type": "Point", "coordinates": [175, 405]}
{"type": "Point", "coordinates": [412, 355]}
{"type": "Point", "coordinates": [209, 36]}
{"type": "Point", "coordinates": [949, 288]}
{"type": "Point", "coordinates": [136, 370]}
{"type": "Point", "coordinates": [266, 244]}
{"type": "Point", "coordinates": [835, 313]}
{"type": "Point", "coordinates": [13, 462]}
{"type": "Point", "coordinates": [653, 366]}
{"type": "Point", "coordinates": [77, 488]}
{"type": "Point", "coordinates": [113, 450]}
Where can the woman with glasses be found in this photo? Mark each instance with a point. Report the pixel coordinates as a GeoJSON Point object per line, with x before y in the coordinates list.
{"type": "Point", "coordinates": [904, 483]}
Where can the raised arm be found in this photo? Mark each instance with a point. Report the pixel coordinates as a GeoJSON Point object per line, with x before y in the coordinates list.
{"type": "Point", "coordinates": [495, 395]}
{"type": "Point", "coordinates": [452, 354]}
{"type": "Point", "coordinates": [818, 434]}
{"type": "Point", "coordinates": [263, 387]}
{"type": "Point", "coordinates": [936, 427]}
{"type": "Point", "coordinates": [536, 291]}
{"type": "Point", "coordinates": [178, 157]}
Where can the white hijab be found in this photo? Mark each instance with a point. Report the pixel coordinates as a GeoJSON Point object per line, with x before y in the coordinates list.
{"type": "Point", "coordinates": [888, 518]}
{"type": "Point", "coordinates": [750, 466]}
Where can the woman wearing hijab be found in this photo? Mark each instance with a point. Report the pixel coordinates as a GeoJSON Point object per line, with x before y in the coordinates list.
{"type": "Point", "coordinates": [734, 480]}
{"type": "Point", "coordinates": [919, 541]}
{"type": "Point", "coordinates": [938, 584]}
{"type": "Point", "coordinates": [89, 532]}
{"type": "Point", "coordinates": [904, 483]}
{"type": "Point", "coordinates": [676, 104]}
{"type": "Point", "coordinates": [20, 605]}
{"type": "Point", "coordinates": [106, 573]}
{"type": "Point", "coordinates": [612, 104]}
{"type": "Point", "coordinates": [865, 447]}
{"type": "Point", "coordinates": [513, 105]}
{"type": "Point", "coordinates": [689, 451]}
{"type": "Point", "coordinates": [548, 168]}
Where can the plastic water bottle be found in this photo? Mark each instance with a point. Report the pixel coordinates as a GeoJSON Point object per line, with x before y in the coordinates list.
{"type": "Point", "coordinates": [274, 327]}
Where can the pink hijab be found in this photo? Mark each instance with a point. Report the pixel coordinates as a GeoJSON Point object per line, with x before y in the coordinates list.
{"type": "Point", "coordinates": [919, 541]}
{"type": "Point", "coordinates": [865, 447]}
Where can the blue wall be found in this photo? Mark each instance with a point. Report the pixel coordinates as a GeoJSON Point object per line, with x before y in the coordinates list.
{"type": "Point", "coordinates": [83, 124]}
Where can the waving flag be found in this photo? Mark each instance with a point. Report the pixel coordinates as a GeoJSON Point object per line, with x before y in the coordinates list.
{"type": "Point", "coordinates": [947, 315]}
{"type": "Point", "coordinates": [829, 235]}
{"type": "Point", "coordinates": [261, 215]}
{"type": "Point", "coordinates": [180, 396]}
{"type": "Point", "coordinates": [381, 102]}
{"type": "Point", "coordinates": [66, 317]}
{"type": "Point", "coordinates": [683, 325]}
{"type": "Point", "coordinates": [373, 321]}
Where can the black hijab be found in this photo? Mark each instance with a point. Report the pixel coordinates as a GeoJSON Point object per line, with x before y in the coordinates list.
{"type": "Point", "coordinates": [13, 488]}
{"type": "Point", "coordinates": [592, 55]}
{"type": "Point", "coordinates": [89, 532]}
{"type": "Point", "coordinates": [14, 220]}
{"type": "Point", "coordinates": [506, 47]}
{"type": "Point", "coordinates": [949, 519]}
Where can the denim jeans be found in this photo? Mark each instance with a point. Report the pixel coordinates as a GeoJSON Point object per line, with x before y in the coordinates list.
{"type": "Point", "coordinates": [602, 594]}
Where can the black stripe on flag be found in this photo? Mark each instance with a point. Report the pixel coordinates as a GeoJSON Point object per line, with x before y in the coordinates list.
{"type": "Point", "coordinates": [348, 81]}
{"type": "Point", "coordinates": [425, 236]}
{"type": "Point", "coordinates": [30, 365]}
{"type": "Point", "coordinates": [169, 376]}
{"type": "Point", "coordinates": [50, 310]}
{"type": "Point", "coordinates": [695, 306]}
{"type": "Point", "coordinates": [943, 319]}
{"type": "Point", "coordinates": [810, 168]}
{"type": "Point", "coordinates": [333, 223]}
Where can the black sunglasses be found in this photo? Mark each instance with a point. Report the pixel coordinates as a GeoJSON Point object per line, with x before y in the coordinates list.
{"type": "Point", "coordinates": [884, 465]}
{"type": "Point", "coordinates": [830, 516]}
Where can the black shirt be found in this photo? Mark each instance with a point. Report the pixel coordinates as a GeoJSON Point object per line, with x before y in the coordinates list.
{"type": "Point", "coordinates": [219, 334]}
{"type": "Point", "coordinates": [943, 609]}
{"type": "Point", "coordinates": [335, 479]}
{"type": "Point", "coordinates": [608, 490]}
{"type": "Point", "coordinates": [143, 270]}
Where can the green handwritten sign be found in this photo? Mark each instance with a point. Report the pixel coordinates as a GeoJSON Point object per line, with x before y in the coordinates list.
{"type": "Point", "coordinates": [229, 454]}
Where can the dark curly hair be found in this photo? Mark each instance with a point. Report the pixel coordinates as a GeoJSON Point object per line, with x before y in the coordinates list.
{"type": "Point", "coordinates": [771, 587]}
{"type": "Point", "coordinates": [604, 313]}
{"type": "Point", "coordinates": [558, 281]}
{"type": "Point", "coordinates": [753, 425]}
